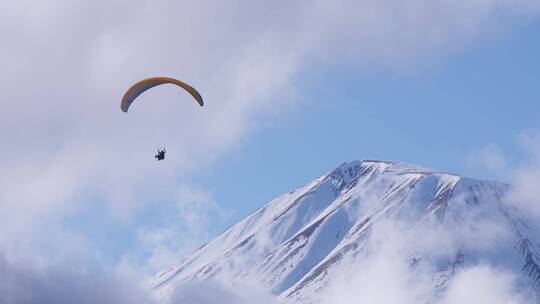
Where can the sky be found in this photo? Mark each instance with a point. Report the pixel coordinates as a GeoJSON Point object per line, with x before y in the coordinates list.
{"type": "Point", "coordinates": [446, 114]}
{"type": "Point", "coordinates": [292, 90]}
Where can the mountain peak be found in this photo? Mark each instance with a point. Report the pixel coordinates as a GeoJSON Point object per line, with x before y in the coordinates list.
{"type": "Point", "coordinates": [293, 243]}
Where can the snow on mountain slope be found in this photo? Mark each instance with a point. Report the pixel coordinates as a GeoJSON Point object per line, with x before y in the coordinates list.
{"type": "Point", "coordinates": [295, 244]}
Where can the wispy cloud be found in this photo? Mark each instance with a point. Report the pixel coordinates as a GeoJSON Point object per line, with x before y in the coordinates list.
{"type": "Point", "coordinates": [525, 193]}
{"type": "Point", "coordinates": [489, 158]}
{"type": "Point", "coordinates": [191, 219]}
{"type": "Point", "coordinates": [522, 175]}
{"type": "Point", "coordinates": [209, 292]}
{"type": "Point", "coordinates": [25, 283]}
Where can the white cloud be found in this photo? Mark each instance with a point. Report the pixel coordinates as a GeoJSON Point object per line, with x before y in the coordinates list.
{"type": "Point", "coordinates": [484, 285]}
{"type": "Point", "coordinates": [383, 273]}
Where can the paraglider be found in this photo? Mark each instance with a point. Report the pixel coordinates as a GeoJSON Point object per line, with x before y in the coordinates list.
{"type": "Point", "coordinates": [161, 154]}
{"type": "Point", "coordinates": [140, 87]}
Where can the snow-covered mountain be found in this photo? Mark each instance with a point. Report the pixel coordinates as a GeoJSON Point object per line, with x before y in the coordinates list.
{"type": "Point", "coordinates": [296, 244]}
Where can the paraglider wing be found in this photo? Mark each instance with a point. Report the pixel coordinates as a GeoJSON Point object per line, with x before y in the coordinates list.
{"type": "Point", "coordinates": [140, 87]}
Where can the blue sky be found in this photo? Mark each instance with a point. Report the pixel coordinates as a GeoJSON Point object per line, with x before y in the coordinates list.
{"type": "Point", "coordinates": [292, 91]}
{"type": "Point", "coordinates": [435, 115]}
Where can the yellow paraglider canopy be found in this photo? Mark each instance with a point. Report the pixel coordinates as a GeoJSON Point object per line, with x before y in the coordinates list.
{"type": "Point", "coordinates": [140, 87]}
